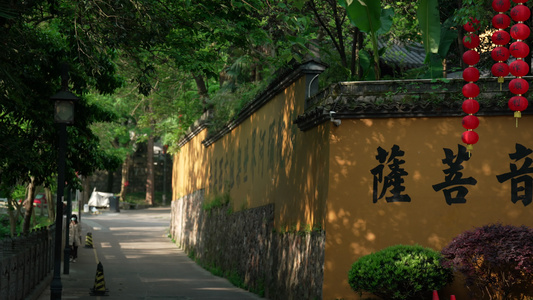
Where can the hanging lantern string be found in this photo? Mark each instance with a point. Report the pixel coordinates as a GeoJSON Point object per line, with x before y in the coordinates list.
{"type": "Point", "coordinates": [470, 89]}
{"type": "Point", "coordinates": [500, 38]}
{"type": "Point", "coordinates": [519, 50]}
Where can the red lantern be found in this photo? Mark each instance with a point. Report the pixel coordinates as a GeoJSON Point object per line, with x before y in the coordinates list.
{"type": "Point", "coordinates": [519, 49]}
{"type": "Point", "coordinates": [517, 103]}
{"type": "Point", "coordinates": [471, 57]}
{"type": "Point", "coordinates": [520, 31]}
{"type": "Point", "coordinates": [501, 21]}
{"type": "Point", "coordinates": [470, 137]}
{"type": "Point", "coordinates": [517, 86]}
{"type": "Point", "coordinates": [470, 90]}
{"type": "Point", "coordinates": [501, 37]}
{"type": "Point", "coordinates": [472, 25]}
{"type": "Point", "coordinates": [470, 122]}
{"type": "Point", "coordinates": [519, 68]}
{"type": "Point", "coordinates": [500, 69]}
{"type": "Point", "coordinates": [470, 106]}
{"type": "Point", "coordinates": [500, 54]}
{"type": "Point", "coordinates": [519, 1]}
{"type": "Point", "coordinates": [501, 5]}
{"type": "Point", "coordinates": [471, 40]}
{"type": "Point", "coordinates": [520, 13]}
{"type": "Point", "coordinates": [471, 74]}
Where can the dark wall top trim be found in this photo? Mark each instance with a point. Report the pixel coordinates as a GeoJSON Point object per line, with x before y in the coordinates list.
{"type": "Point", "coordinates": [194, 129]}
{"type": "Point", "coordinates": [282, 81]}
{"type": "Point", "coordinates": [405, 98]}
{"type": "Point", "coordinates": [276, 87]}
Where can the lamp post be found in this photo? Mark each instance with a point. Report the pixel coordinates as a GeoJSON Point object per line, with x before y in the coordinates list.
{"type": "Point", "coordinates": [63, 116]}
{"type": "Point", "coordinates": [164, 175]}
{"type": "Point", "coordinates": [66, 252]}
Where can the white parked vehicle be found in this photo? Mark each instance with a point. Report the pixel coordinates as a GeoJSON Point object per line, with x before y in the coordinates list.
{"type": "Point", "coordinates": [99, 199]}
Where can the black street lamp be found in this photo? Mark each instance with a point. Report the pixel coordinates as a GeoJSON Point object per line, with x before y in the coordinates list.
{"type": "Point", "coordinates": [63, 115]}
{"type": "Point", "coordinates": [66, 252]}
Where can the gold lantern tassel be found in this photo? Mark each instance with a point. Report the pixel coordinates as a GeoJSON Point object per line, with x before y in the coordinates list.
{"type": "Point", "coordinates": [469, 148]}
{"type": "Point", "coordinates": [500, 81]}
{"type": "Point", "coordinates": [517, 115]}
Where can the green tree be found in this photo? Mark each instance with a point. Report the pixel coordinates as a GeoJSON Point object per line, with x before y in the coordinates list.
{"type": "Point", "coordinates": [33, 50]}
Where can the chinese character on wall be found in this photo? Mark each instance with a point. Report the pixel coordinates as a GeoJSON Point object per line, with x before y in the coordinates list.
{"type": "Point", "coordinates": [521, 181]}
{"type": "Point", "coordinates": [453, 186]}
{"type": "Point", "coordinates": [392, 179]}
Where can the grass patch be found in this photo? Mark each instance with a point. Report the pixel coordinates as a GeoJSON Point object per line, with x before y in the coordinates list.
{"type": "Point", "coordinates": [217, 201]}
{"type": "Point", "coordinates": [5, 227]}
{"type": "Point", "coordinates": [192, 255]}
{"type": "Point", "coordinates": [140, 198]}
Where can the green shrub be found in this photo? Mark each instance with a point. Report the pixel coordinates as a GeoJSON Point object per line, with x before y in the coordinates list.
{"type": "Point", "coordinates": [496, 261]}
{"type": "Point", "coordinates": [217, 201]}
{"type": "Point", "coordinates": [4, 226]}
{"type": "Point", "coordinates": [400, 272]}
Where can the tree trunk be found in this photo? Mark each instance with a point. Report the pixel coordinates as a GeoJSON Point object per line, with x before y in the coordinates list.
{"type": "Point", "coordinates": [51, 204]}
{"type": "Point", "coordinates": [110, 180]}
{"type": "Point", "coordinates": [125, 177]}
{"type": "Point", "coordinates": [13, 216]}
{"type": "Point", "coordinates": [356, 47]}
{"type": "Point", "coordinates": [336, 33]}
{"type": "Point", "coordinates": [202, 89]}
{"type": "Point", "coordinates": [150, 190]}
{"type": "Point", "coordinates": [28, 206]}
{"type": "Point", "coordinates": [15, 213]}
{"type": "Point", "coordinates": [33, 220]}
{"type": "Point", "coordinates": [84, 195]}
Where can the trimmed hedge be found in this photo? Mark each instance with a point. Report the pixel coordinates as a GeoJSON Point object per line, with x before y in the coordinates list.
{"type": "Point", "coordinates": [400, 272]}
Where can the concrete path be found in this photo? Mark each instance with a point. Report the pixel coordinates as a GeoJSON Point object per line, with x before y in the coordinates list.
{"type": "Point", "coordinates": [139, 262]}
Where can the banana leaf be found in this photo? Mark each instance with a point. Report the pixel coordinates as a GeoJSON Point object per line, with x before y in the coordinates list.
{"type": "Point", "coordinates": [429, 22]}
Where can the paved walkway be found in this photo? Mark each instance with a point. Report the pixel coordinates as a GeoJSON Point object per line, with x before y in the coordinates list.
{"type": "Point", "coordinates": [140, 262]}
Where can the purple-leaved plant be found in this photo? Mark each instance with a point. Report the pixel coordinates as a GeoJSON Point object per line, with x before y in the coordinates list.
{"type": "Point", "coordinates": [496, 261]}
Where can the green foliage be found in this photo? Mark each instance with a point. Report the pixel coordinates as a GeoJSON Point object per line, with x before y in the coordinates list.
{"type": "Point", "coordinates": [37, 39]}
{"type": "Point", "coordinates": [140, 198]}
{"type": "Point", "coordinates": [496, 260]}
{"type": "Point", "coordinates": [478, 9]}
{"type": "Point", "coordinates": [483, 12]}
{"type": "Point", "coordinates": [4, 226]}
{"type": "Point", "coordinates": [153, 67]}
{"type": "Point", "coordinates": [448, 36]}
{"type": "Point", "coordinates": [437, 38]}
{"type": "Point", "coordinates": [228, 102]}
{"type": "Point", "coordinates": [231, 275]}
{"type": "Point", "coordinates": [302, 231]}
{"type": "Point", "coordinates": [199, 45]}
{"type": "Point", "coordinates": [364, 14]}
{"type": "Point", "coordinates": [192, 254]}
{"type": "Point", "coordinates": [217, 201]}
{"type": "Point", "coordinates": [405, 21]}
{"type": "Point", "coordinates": [19, 192]}
{"type": "Point", "coordinates": [429, 20]}
{"type": "Point", "coordinates": [235, 279]}
{"type": "Point", "coordinates": [400, 272]}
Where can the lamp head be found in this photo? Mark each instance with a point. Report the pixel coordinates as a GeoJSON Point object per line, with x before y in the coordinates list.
{"type": "Point", "coordinates": [65, 102]}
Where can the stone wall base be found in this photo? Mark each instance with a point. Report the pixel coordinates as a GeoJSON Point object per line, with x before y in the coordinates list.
{"type": "Point", "coordinates": [245, 245]}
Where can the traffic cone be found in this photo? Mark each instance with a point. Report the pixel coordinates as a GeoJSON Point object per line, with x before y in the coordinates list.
{"type": "Point", "coordinates": [99, 282]}
{"type": "Point", "coordinates": [89, 240]}
{"type": "Point", "coordinates": [435, 295]}
{"type": "Point", "coordinates": [452, 297]}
